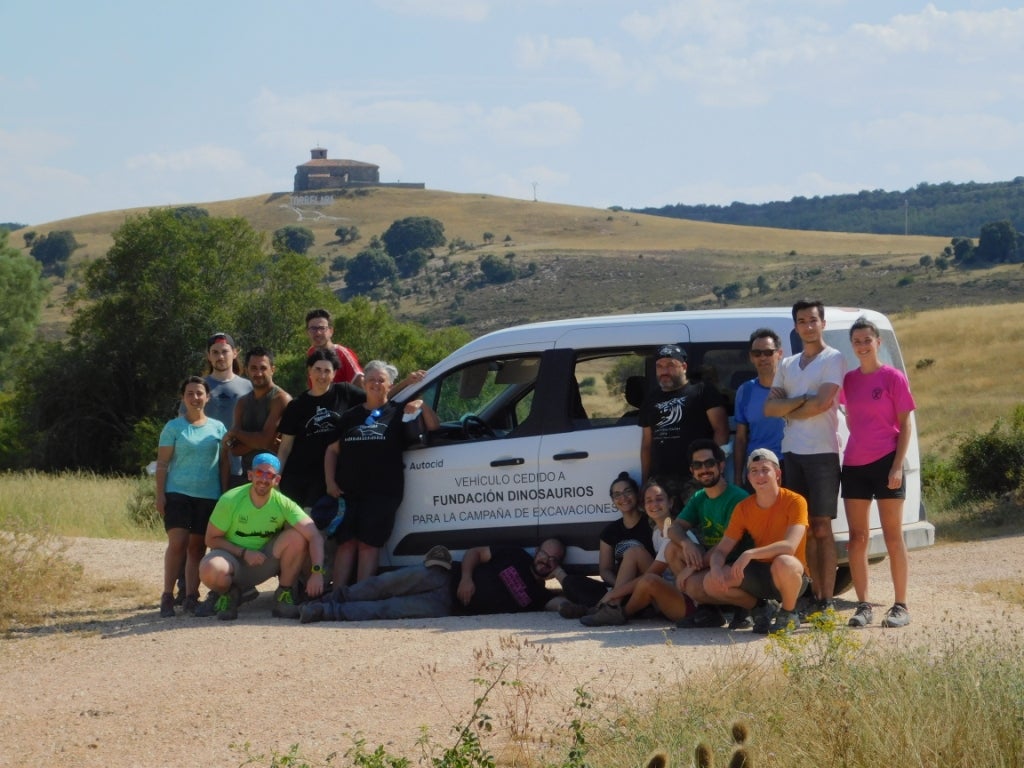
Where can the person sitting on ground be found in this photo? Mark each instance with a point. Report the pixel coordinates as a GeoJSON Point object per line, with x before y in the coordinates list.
{"type": "Point", "coordinates": [698, 528]}
{"type": "Point", "coordinates": [656, 587]}
{"type": "Point", "coordinates": [488, 580]}
{"type": "Point", "coordinates": [255, 533]}
{"type": "Point", "coordinates": [626, 552]}
{"type": "Point", "coordinates": [768, 578]}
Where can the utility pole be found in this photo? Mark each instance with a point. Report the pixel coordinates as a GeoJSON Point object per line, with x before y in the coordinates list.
{"type": "Point", "coordinates": [535, 191]}
{"type": "Point", "coordinates": [906, 216]}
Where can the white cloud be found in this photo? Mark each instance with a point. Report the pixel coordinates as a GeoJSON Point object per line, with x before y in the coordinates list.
{"type": "Point", "coordinates": [541, 124]}
{"type": "Point", "coordinates": [543, 52]}
{"type": "Point", "coordinates": [943, 132]}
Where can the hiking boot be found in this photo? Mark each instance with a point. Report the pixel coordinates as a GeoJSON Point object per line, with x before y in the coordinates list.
{"type": "Point", "coordinates": [606, 615]}
{"type": "Point", "coordinates": [166, 606]}
{"type": "Point", "coordinates": [438, 557]}
{"type": "Point", "coordinates": [226, 607]}
{"type": "Point", "coordinates": [785, 622]}
{"type": "Point", "coordinates": [862, 617]}
{"type": "Point", "coordinates": [705, 617]}
{"type": "Point", "coordinates": [191, 604]}
{"type": "Point", "coordinates": [762, 614]}
{"type": "Point", "coordinates": [207, 606]}
{"type": "Point", "coordinates": [741, 619]}
{"type": "Point", "coordinates": [897, 616]}
{"type": "Point", "coordinates": [569, 610]}
{"type": "Point", "coordinates": [284, 604]}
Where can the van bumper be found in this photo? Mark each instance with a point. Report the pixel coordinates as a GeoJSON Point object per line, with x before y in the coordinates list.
{"type": "Point", "coordinates": [916, 536]}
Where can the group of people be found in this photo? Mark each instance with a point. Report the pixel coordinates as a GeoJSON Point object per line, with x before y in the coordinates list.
{"type": "Point", "coordinates": [701, 541]}
{"type": "Point", "coordinates": [244, 467]}
{"type": "Point", "coordinates": [752, 548]}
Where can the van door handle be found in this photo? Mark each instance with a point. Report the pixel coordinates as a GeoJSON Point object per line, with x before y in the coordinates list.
{"type": "Point", "coordinates": [507, 462]}
{"type": "Point", "coordinates": [571, 455]}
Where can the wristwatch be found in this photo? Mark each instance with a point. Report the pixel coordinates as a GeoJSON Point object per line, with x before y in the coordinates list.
{"type": "Point", "coordinates": [317, 569]}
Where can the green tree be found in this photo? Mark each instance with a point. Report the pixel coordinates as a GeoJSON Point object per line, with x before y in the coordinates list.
{"type": "Point", "coordinates": [997, 243]}
{"type": "Point", "coordinates": [963, 249]}
{"type": "Point", "coordinates": [413, 232]}
{"type": "Point", "coordinates": [54, 250]}
{"type": "Point", "coordinates": [347, 234]}
{"type": "Point", "coordinates": [488, 237]}
{"type": "Point", "coordinates": [370, 267]}
{"type": "Point", "coordinates": [496, 270]}
{"type": "Point", "coordinates": [293, 238]}
{"type": "Point", "coordinates": [21, 295]}
{"type": "Point", "coordinates": [411, 263]}
{"type": "Point", "coordinates": [162, 288]}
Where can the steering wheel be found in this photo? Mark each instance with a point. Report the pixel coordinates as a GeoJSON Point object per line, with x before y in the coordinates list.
{"type": "Point", "coordinates": [474, 427]}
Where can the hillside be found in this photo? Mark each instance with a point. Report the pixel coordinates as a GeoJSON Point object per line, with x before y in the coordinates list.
{"type": "Point", "coordinates": [587, 260]}
{"type": "Point", "coordinates": [942, 210]}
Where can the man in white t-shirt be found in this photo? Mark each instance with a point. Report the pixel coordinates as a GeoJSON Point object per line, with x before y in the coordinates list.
{"type": "Point", "coordinates": [806, 394]}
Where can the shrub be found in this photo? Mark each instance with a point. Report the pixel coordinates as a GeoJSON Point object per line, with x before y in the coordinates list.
{"type": "Point", "coordinates": [992, 463]}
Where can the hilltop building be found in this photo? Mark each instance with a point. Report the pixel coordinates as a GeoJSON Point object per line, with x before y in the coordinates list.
{"type": "Point", "coordinates": [320, 173]}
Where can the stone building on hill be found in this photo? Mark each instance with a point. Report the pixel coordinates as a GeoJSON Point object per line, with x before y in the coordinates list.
{"type": "Point", "coordinates": [319, 173]}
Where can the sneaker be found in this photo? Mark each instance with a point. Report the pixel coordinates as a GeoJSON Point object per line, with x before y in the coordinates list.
{"type": "Point", "coordinates": [897, 616]}
{"type": "Point", "coordinates": [762, 615]}
{"type": "Point", "coordinates": [284, 604]}
{"type": "Point", "coordinates": [862, 617]}
{"type": "Point", "coordinates": [226, 606]}
{"type": "Point", "coordinates": [705, 617]}
{"type": "Point", "coordinates": [570, 610]}
{"type": "Point", "coordinates": [166, 606]}
{"type": "Point", "coordinates": [606, 615]}
{"type": "Point", "coordinates": [741, 619]}
{"type": "Point", "coordinates": [191, 604]}
{"type": "Point", "coordinates": [249, 595]}
{"type": "Point", "coordinates": [311, 612]}
{"type": "Point", "coordinates": [785, 621]}
{"type": "Point", "coordinates": [208, 605]}
{"type": "Point", "coordinates": [438, 557]}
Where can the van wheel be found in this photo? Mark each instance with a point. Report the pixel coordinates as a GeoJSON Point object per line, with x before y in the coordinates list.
{"type": "Point", "coordinates": [844, 579]}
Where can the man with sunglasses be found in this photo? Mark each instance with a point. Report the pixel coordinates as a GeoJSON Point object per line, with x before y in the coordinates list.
{"type": "Point", "coordinates": [487, 580]}
{"type": "Point", "coordinates": [255, 533]}
{"type": "Point", "coordinates": [753, 429]}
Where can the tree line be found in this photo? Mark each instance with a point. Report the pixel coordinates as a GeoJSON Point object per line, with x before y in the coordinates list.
{"type": "Point", "coordinates": [944, 209]}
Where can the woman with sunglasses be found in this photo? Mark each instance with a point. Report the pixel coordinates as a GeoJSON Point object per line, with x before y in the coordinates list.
{"type": "Point", "coordinates": [626, 551]}
{"type": "Point", "coordinates": [191, 472]}
{"type": "Point", "coordinates": [365, 465]}
{"type": "Point", "coordinates": [308, 425]}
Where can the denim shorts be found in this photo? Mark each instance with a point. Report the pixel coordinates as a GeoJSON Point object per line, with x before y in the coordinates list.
{"type": "Point", "coordinates": [815, 476]}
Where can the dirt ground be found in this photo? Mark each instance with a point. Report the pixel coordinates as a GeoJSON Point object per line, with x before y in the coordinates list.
{"type": "Point", "coordinates": [121, 687]}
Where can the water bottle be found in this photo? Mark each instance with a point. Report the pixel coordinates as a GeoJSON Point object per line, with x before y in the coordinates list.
{"type": "Point", "coordinates": [333, 525]}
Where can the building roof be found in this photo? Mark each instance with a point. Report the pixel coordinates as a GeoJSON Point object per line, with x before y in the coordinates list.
{"type": "Point", "coordinates": [327, 163]}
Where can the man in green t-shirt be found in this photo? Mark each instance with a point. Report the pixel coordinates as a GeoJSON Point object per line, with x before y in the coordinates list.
{"type": "Point", "coordinates": [256, 532]}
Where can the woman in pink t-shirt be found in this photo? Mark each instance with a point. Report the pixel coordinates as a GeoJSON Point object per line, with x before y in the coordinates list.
{"type": "Point", "coordinates": [878, 407]}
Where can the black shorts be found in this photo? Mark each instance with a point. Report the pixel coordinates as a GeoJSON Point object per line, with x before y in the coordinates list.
{"type": "Point", "coordinates": [757, 581]}
{"type": "Point", "coordinates": [188, 512]}
{"type": "Point", "coordinates": [369, 518]}
{"type": "Point", "coordinates": [815, 476]}
{"type": "Point", "coordinates": [871, 481]}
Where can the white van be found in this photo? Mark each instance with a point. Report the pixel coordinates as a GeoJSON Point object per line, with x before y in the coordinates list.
{"type": "Point", "coordinates": [537, 420]}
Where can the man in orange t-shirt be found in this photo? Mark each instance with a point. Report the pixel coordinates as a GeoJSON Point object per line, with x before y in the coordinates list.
{"type": "Point", "coordinates": [768, 578]}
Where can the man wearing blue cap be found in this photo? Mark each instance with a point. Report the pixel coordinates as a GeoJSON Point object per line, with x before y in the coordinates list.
{"type": "Point", "coordinates": [256, 532]}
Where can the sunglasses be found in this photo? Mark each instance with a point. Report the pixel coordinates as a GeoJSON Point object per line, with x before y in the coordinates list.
{"type": "Point", "coordinates": [762, 352]}
{"type": "Point", "coordinates": [264, 474]}
{"type": "Point", "coordinates": [372, 418]}
{"type": "Point", "coordinates": [706, 464]}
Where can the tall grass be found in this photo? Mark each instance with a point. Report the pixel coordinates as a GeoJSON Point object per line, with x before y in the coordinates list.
{"type": "Point", "coordinates": [71, 504]}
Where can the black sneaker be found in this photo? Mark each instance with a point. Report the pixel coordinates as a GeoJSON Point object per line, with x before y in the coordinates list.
{"type": "Point", "coordinates": [311, 612]}
{"type": "Point", "coordinates": [284, 604]}
{"type": "Point", "coordinates": [249, 595]}
{"type": "Point", "coordinates": [207, 606]}
{"type": "Point", "coordinates": [705, 617]}
{"type": "Point", "coordinates": [862, 616]}
{"type": "Point", "coordinates": [570, 610]}
{"type": "Point", "coordinates": [166, 606]}
{"type": "Point", "coordinates": [191, 604]}
{"type": "Point", "coordinates": [741, 619]}
{"type": "Point", "coordinates": [897, 616]}
{"type": "Point", "coordinates": [226, 607]}
{"type": "Point", "coordinates": [179, 597]}
{"type": "Point", "coordinates": [763, 614]}
{"type": "Point", "coordinates": [606, 615]}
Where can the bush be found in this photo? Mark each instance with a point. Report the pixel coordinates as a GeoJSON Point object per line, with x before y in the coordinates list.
{"type": "Point", "coordinates": [992, 464]}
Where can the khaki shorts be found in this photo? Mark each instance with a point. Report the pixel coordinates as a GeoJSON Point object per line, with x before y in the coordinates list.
{"type": "Point", "coordinates": [244, 575]}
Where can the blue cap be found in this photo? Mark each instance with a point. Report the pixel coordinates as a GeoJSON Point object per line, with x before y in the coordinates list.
{"type": "Point", "coordinates": [267, 458]}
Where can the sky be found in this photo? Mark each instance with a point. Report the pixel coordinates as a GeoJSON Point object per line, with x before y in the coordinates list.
{"type": "Point", "coordinates": [123, 104]}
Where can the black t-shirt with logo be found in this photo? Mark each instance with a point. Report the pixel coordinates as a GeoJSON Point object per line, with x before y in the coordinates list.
{"type": "Point", "coordinates": [676, 419]}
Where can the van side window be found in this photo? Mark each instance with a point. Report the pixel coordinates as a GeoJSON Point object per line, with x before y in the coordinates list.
{"type": "Point", "coordinates": [611, 386]}
{"type": "Point", "coordinates": [485, 399]}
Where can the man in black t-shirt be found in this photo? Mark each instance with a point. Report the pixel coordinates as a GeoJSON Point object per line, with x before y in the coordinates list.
{"type": "Point", "coordinates": [682, 412]}
{"type": "Point", "coordinates": [488, 580]}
